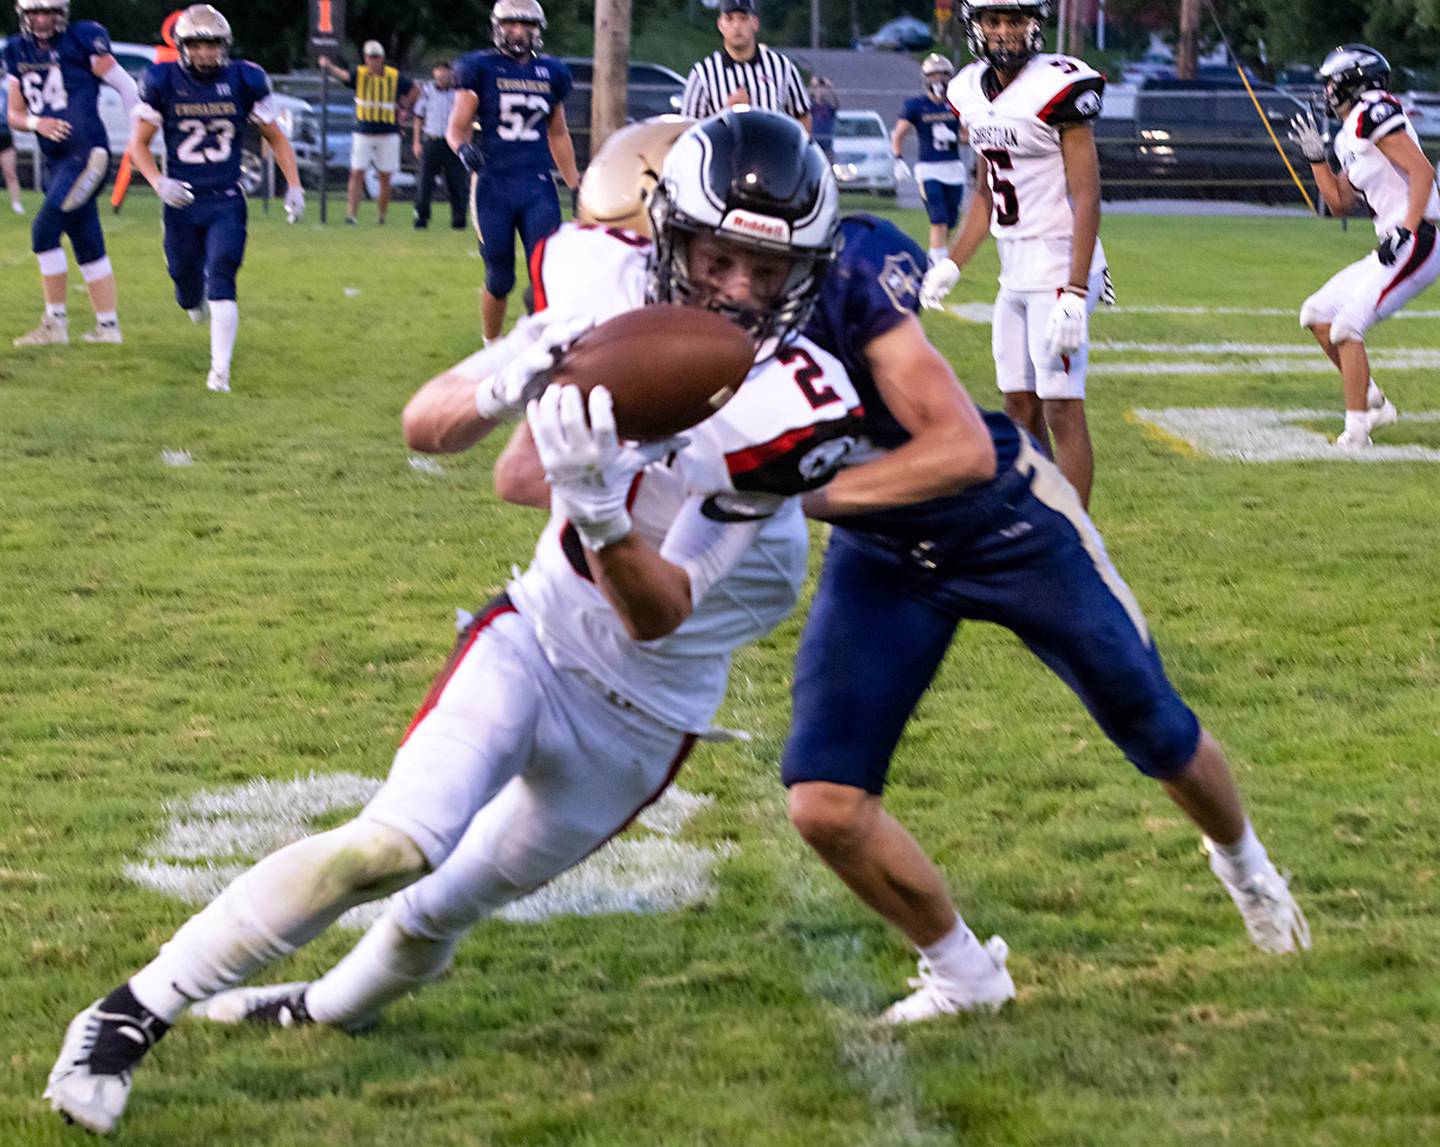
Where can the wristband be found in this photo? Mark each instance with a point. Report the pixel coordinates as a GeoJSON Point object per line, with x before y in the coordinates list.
{"type": "Point", "coordinates": [1083, 292]}
{"type": "Point", "coordinates": [32, 122]}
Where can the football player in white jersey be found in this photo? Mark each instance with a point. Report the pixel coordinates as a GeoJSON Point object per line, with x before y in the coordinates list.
{"type": "Point", "coordinates": [1380, 159]}
{"type": "Point", "coordinates": [1028, 116]}
{"type": "Point", "coordinates": [571, 700]}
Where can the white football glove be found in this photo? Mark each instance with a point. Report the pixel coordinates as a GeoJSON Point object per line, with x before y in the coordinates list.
{"type": "Point", "coordinates": [509, 390]}
{"type": "Point", "coordinates": [590, 470]}
{"type": "Point", "coordinates": [294, 203]}
{"type": "Point", "coordinates": [902, 170]}
{"type": "Point", "coordinates": [1308, 137]}
{"type": "Point", "coordinates": [1069, 326]}
{"type": "Point", "coordinates": [939, 281]}
{"type": "Point", "coordinates": [174, 193]}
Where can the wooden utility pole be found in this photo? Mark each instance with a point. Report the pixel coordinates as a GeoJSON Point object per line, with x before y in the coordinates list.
{"type": "Point", "coordinates": [814, 25]}
{"type": "Point", "coordinates": [612, 70]}
{"type": "Point", "coordinates": [1187, 47]}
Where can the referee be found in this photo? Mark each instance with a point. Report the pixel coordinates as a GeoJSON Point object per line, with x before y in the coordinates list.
{"type": "Point", "coordinates": [744, 71]}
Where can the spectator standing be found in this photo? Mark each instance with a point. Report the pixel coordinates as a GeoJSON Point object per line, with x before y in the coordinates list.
{"type": "Point", "coordinates": [824, 103]}
{"type": "Point", "coordinates": [744, 71]}
{"type": "Point", "coordinates": [432, 115]}
{"type": "Point", "coordinates": [380, 92]}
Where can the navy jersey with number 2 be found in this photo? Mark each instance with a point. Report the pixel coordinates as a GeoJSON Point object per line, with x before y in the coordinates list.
{"type": "Point", "coordinates": [204, 119]}
{"type": "Point", "coordinates": [517, 98]}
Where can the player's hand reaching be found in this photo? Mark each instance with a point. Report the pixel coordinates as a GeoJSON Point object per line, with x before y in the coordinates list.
{"type": "Point", "coordinates": [51, 127]}
{"type": "Point", "coordinates": [1397, 244]}
{"type": "Point", "coordinates": [902, 171]}
{"type": "Point", "coordinates": [939, 281]}
{"type": "Point", "coordinates": [1308, 137]}
{"type": "Point", "coordinates": [1069, 326]}
{"type": "Point", "coordinates": [294, 203]}
{"type": "Point", "coordinates": [508, 391]}
{"type": "Point", "coordinates": [589, 468]}
{"type": "Point", "coordinates": [174, 192]}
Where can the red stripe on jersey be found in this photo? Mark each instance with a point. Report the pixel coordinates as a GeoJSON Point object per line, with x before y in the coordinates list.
{"type": "Point", "coordinates": [537, 277]}
{"type": "Point", "coordinates": [498, 608]}
{"type": "Point", "coordinates": [1418, 255]}
{"type": "Point", "coordinates": [753, 457]}
{"type": "Point", "coordinates": [687, 742]}
{"type": "Point", "coordinates": [1044, 113]}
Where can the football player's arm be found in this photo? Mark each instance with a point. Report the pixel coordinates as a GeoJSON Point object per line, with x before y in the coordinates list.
{"type": "Point", "coordinates": [462, 119]}
{"type": "Point", "coordinates": [284, 153]}
{"type": "Point", "coordinates": [16, 113]}
{"type": "Point", "coordinates": [442, 417]}
{"type": "Point", "coordinates": [1405, 154]}
{"type": "Point", "coordinates": [1082, 179]}
{"type": "Point", "coordinates": [518, 476]}
{"type": "Point", "coordinates": [339, 73]}
{"type": "Point", "coordinates": [108, 70]}
{"type": "Point", "coordinates": [949, 449]}
{"type": "Point", "coordinates": [649, 594]}
{"type": "Point", "coordinates": [562, 147]}
{"type": "Point", "coordinates": [897, 137]}
{"type": "Point", "coordinates": [142, 159]}
{"type": "Point", "coordinates": [976, 224]}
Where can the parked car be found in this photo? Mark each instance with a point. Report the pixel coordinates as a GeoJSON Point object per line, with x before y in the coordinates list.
{"type": "Point", "coordinates": [339, 126]}
{"type": "Point", "coordinates": [862, 160]}
{"type": "Point", "coordinates": [902, 34]}
{"type": "Point", "coordinates": [652, 90]}
{"type": "Point", "coordinates": [1423, 108]}
{"type": "Point", "coordinates": [135, 58]}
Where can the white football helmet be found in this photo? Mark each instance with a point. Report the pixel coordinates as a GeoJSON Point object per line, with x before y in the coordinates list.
{"type": "Point", "coordinates": [204, 24]}
{"type": "Point", "coordinates": [24, 9]}
{"type": "Point", "coordinates": [1005, 59]}
{"type": "Point", "coordinates": [1349, 70]}
{"type": "Point", "coordinates": [755, 179]}
{"type": "Point", "coordinates": [528, 40]}
{"type": "Point", "coordinates": [937, 72]}
{"type": "Point", "coordinates": [621, 176]}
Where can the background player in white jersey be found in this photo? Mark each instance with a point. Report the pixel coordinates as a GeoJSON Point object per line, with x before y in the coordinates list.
{"type": "Point", "coordinates": [940, 171]}
{"type": "Point", "coordinates": [1029, 117]}
{"type": "Point", "coordinates": [1380, 159]}
{"type": "Point", "coordinates": [570, 701]}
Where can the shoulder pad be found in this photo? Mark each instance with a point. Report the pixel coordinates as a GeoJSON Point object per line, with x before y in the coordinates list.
{"type": "Point", "coordinates": [1380, 113]}
{"type": "Point", "coordinates": [92, 37]}
{"type": "Point", "coordinates": [583, 269]}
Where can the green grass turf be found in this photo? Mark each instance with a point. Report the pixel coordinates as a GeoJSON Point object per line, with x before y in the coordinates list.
{"type": "Point", "coordinates": [278, 607]}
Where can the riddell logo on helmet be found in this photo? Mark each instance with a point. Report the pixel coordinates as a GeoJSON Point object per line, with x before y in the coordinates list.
{"type": "Point", "coordinates": [760, 226]}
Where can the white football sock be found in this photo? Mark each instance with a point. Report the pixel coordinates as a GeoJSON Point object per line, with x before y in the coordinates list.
{"type": "Point", "coordinates": [1374, 396]}
{"type": "Point", "coordinates": [224, 325]}
{"type": "Point", "coordinates": [285, 901]}
{"type": "Point", "coordinates": [1246, 856]}
{"type": "Point", "coordinates": [107, 318]}
{"type": "Point", "coordinates": [56, 311]}
{"type": "Point", "coordinates": [1357, 423]}
{"type": "Point", "coordinates": [387, 963]}
{"type": "Point", "coordinates": [957, 955]}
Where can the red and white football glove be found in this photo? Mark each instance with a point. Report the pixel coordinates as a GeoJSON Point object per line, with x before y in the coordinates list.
{"type": "Point", "coordinates": [589, 468]}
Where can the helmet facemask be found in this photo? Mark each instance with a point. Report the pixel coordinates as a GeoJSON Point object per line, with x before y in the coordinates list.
{"type": "Point", "coordinates": [202, 24]}
{"type": "Point", "coordinates": [1350, 70]}
{"type": "Point", "coordinates": [936, 72]}
{"type": "Point", "coordinates": [60, 9]}
{"type": "Point", "coordinates": [519, 43]}
{"type": "Point", "coordinates": [188, 63]}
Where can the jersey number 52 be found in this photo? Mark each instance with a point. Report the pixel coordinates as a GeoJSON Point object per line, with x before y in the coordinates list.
{"type": "Point", "coordinates": [520, 116]}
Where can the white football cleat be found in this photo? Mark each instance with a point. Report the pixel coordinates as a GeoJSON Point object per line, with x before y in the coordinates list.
{"type": "Point", "coordinates": [94, 1100]}
{"type": "Point", "coordinates": [1271, 916]}
{"type": "Point", "coordinates": [936, 997]}
{"type": "Point", "coordinates": [218, 381]}
{"type": "Point", "coordinates": [50, 332]}
{"type": "Point", "coordinates": [1383, 415]}
{"type": "Point", "coordinates": [106, 334]}
{"type": "Point", "coordinates": [272, 1005]}
{"type": "Point", "coordinates": [1349, 440]}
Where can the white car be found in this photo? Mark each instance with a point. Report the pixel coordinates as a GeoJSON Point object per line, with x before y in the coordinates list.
{"type": "Point", "coordinates": [862, 160]}
{"type": "Point", "coordinates": [135, 58]}
{"type": "Point", "coordinates": [1423, 111]}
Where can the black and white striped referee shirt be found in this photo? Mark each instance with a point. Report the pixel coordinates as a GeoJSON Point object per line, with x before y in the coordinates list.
{"type": "Point", "coordinates": [771, 80]}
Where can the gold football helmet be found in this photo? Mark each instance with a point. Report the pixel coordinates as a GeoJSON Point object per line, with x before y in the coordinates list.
{"type": "Point", "coordinates": [623, 173]}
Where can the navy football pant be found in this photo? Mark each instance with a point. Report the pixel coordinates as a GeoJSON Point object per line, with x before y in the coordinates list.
{"type": "Point", "coordinates": [204, 247]}
{"type": "Point", "coordinates": [885, 612]}
{"type": "Point", "coordinates": [524, 202]}
{"type": "Point", "coordinates": [942, 201]}
{"type": "Point", "coordinates": [71, 188]}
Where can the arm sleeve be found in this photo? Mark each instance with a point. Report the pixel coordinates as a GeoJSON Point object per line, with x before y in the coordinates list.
{"type": "Point", "coordinates": [710, 534]}
{"type": "Point", "coordinates": [119, 79]}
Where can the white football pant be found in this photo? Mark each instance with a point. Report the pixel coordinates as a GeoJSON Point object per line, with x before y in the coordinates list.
{"type": "Point", "coordinates": [1360, 295]}
{"type": "Point", "coordinates": [514, 773]}
{"type": "Point", "coordinates": [1023, 362]}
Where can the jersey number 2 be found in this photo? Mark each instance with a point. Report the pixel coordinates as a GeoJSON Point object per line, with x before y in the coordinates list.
{"type": "Point", "coordinates": [1007, 203]}
{"type": "Point", "coordinates": [42, 91]}
{"type": "Point", "coordinates": [192, 148]}
{"type": "Point", "coordinates": [515, 124]}
{"type": "Point", "coordinates": [807, 370]}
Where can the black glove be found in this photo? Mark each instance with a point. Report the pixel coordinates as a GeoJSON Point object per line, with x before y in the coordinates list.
{"type": "Point", "coordinates": [471, 157]}
{"type": "Point", "coordinates": [1397, 244]}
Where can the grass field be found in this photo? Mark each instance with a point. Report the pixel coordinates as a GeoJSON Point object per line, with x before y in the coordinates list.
{"type": "Point", "coordinates": [277, 607]}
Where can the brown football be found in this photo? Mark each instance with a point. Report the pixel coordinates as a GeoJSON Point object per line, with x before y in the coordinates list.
{"type": "Point", "coordinates": [668, 367]}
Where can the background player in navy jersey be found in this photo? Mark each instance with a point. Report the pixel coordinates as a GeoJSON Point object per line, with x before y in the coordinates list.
{"type": "Point", "coordinates": [962, 517]}
{"type": "Point", "coordinates": [202, 103]}
{"type": "Point", "coordinates": [940, 171]}
{"type": "Point", "coordinates": [7, 153]}
{"type": "Point", "coordinates": [517, 95]}
{"type": "Point", "coordinates": [54, 88]}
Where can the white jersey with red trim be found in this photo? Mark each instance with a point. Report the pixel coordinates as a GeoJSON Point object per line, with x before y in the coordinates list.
{"type": "Point", "coordinates": [787, 430]}
{"type": "Point", "coordinates": [1375, 116]}
{"type": "Point", "coordinates": [1016, 132]}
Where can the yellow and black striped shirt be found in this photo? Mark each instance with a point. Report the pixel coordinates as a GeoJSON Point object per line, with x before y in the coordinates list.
{"type": "Point", "coordinates": [375, 99]}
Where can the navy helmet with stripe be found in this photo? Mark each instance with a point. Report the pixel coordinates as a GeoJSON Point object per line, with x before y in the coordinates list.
{"type": "Point", "coordinates": [1349, 70]}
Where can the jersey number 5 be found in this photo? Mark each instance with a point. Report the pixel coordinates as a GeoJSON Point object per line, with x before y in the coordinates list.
{"type": "Point", "coordinates": [515, 124]}
{"type": "Point", "coordinates": [40, 91]}
{"type": "Point", "coordinates": [1007, 203]}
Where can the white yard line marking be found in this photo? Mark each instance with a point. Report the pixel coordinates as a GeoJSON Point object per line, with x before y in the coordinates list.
{"type": "Point", "coordinates": [981, 312]}
{"type": "Point", "coordinates": [1260, 435]}
{"type": "Point", "coordinates": [635, 875]}
{"type": "Point", "coordinates": [1314, 364]}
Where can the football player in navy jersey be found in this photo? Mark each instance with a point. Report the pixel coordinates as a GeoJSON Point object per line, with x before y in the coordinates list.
{"type": "Point", "coordinates": [518, 97]}
{"type": "Point", "coordinates": [940, 172]}
{"type": "Point", "coordinates": [962, 517]}
{"type": "Point", "coordinates": [56, 69]}
{"type": "Point", "coordinates": [202, 102]}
